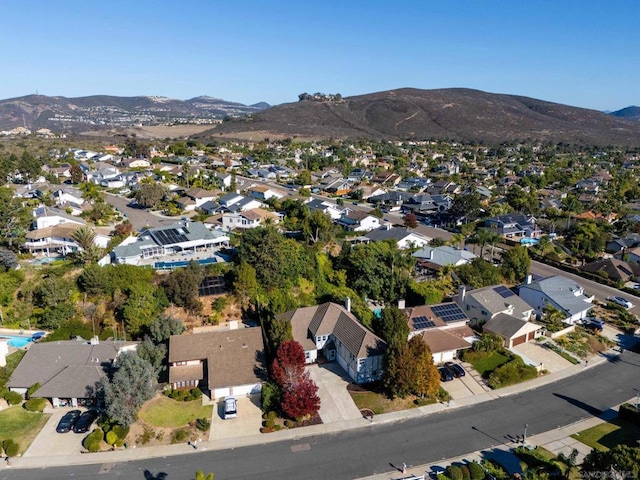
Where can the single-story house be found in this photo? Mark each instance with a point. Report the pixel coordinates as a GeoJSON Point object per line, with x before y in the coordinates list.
{"type": "Point", "coordinates": [404, 237]}
{"type": "Point", "coordinates": [512, 330]}
{"type": "Point", "coordinates": [331, 330]}
{"type": "Point", "coordinates": [68, 372]}
{"type": "Point", "coordinates": [358, 221]}
{"type": "Point", "coordinates": [220, 363]}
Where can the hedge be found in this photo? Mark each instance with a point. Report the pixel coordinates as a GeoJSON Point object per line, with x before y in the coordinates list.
{"type": "Point", "coordinates": [454, 472]}
{"type": "Point", "coordinates": [476, 471]}
{"type": "Point", "coordinates": [93, 440]}
{"type": "Point", "coordinates": [13, 398]}
{"type": "Point", "coordinates": [35, 404]}
{"type": "Point", "coordinates": [630, 413]}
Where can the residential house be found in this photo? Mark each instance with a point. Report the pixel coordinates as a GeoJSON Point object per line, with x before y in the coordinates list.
{"type": "Point", "coordinates": [338, 187]}
{"type": "Point", "coordinates": [326, 207]}
{"type": "Point", "coordinates": [264, 193]}
{"type": "Point", "coordinates": [614, 269]}
{"type": "Point", "coordinates": [220, 363]}
{"type": "Point", "coordinates": [482, 304]}
{"type": "Point", "coordinates": [558, 292]}
{"type": "Point", "coordinates": [432, 259]}
{"type": "Point", "coordinates": [69, 372]}
{"type": "Point", "coordinates": [168, 239]}
{"type": "Point", "coordinates": [514, 226]}
{"type": "Point", "coordinates": [332, 331]}
{"type": "Point", "coordinates": [404, 237]}
{"type": "Point", "coordinates": [63, 196]}
{"type": "Point", "coordinates": [512, 330]}
{"type": "Point", "coordinates": [358, 221]}
{"type": "Point", "coordinates": [135, 163]}
{"type": "Point", "coordinates": [253, 218]}
{"type": "Point", "coordinates": [443, 328]}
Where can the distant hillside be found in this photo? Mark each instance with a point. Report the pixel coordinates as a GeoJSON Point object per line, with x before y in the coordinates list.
{"type": "Point", "coordinates": [629, 113]}
{"type": "Point", "coordinates": [453, 114]}
{"type": "Point", "coordinates": [103, 111]}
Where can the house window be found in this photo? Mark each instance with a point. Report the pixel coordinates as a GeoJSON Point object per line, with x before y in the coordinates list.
{"type": "Point", "coordinates": [307, 355]}
{"type": "Point", "coordinates": [468, 307]}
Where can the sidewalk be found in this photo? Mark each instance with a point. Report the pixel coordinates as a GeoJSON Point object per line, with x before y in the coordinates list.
{"type": "Point", "coordinates": [556, 440]}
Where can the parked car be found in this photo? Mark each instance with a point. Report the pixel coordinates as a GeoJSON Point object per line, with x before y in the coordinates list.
{"type": "Point", "coordinates": [445, 374]}
{"type": "Point", "coordinates": [621, 301]}
{"type": "Point", "coordinates": [68, 421]}
{"type": "Point", "coordinates": [85, 421]}
{"type": "Point", "coordinates": [230, 407]}
{"type": "Point", "coordinates": [456, 369]}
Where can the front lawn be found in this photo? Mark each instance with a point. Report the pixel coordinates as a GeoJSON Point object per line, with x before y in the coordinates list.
{"type": "Point", "coordinates": [166, 412]}
{"type": "Point", "coordinates": [21, 426]}
{"type": "Point", "coordinates": [12, 362]}
{"type": "Point", "coordinates": [609, 434]}
{"type": "Point", "coordinates": [485, 362]}
{"type": "Point", "coordinates": [378, 402]}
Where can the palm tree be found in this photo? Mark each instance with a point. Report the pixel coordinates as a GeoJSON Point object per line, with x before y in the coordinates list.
{"type": "Point", "coordinates": [84, 237]}
{"type": "Point", "coordinates": [570, 461]}
{"type": "Point", "coordinates": [200, 475]}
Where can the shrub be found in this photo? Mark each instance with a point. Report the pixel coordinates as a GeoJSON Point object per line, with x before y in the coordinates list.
{"type": "Point", "coordinates": [630, 413]}
{"type": "Point", "coordinates": [11, 448]}
{"type": "Point", "coordinates": [510, 373]}
{"type": "Point", "coordinates": [476, 471]}
{"type": "Point", "coordinates": [147, 435]}
{"type": "Point", "coordinates": [269, 422]}
{"type": "Point", "coordinates": [466, 475]}
{"type": "Point", "coordinates": [111, 438]}
{"type": "Point", "coordinates": [270, 397]}
{"type": "Point", "coordinates": [496, 470]}
{"type": "Point", "coordinates": [272, 415]}
{"type": "Point", "coordinates": [93, 440]}
{"type": "Point", "coordinates": [12, 398]}
{"type": "Point", "coordinates": [289, 423]}
{"type": "Point", "coordinates": [203, 424]}
{"type": "Point", "coordinates": [179, 436]}
{"type": "Point", "coordinates": [32, 389]}
{"type": "Point", "coordinates": [196, 393]}
{"type": "Point", "coordinates": [454, 472]}
{"type": "Point", "coordinates": [35, 404]}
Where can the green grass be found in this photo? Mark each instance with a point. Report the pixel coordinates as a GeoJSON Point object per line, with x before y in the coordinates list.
{"type": "Point", "coordinates": [485, 364]}
{"type": "Point", "coordinates": [378, 403]}
{"type": "Point", "coordinates": [12, 362]}
{"type": "Point", "coordinates": [166, 412]}
{"type": "Point", "coordinates": [21, 426]}
{"type": "Point", "coordinates": [609, 434]}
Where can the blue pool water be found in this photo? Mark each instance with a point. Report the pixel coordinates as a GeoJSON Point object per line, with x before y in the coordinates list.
{"type": "Point", "coordinates": [17, 342]}
{"type": "Point", "coordinates": [377, 312]}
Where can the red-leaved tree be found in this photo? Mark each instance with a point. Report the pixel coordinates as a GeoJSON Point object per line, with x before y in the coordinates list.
{"type": "Point", "coordinates": [302, 400]}
{"type": "Point", "coordinates": [299, 393]}
{"type": "Point", "coordinates": [288, 366]}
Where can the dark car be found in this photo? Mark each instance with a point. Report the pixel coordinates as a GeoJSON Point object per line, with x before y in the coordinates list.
{"type": "Point", "coordinates": [68, 421]}
{"type": "Point", "coordinates": [456, 369]}
{"type": "Point", "coordinates": [445, 374]}
{"type": "Point", "coordinates": [85, 421]}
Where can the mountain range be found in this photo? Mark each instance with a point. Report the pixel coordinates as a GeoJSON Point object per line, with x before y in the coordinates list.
{"type": "Point", "coordinates": [74, 115]}
{"type": "Point", "coordinates": [454, 114]}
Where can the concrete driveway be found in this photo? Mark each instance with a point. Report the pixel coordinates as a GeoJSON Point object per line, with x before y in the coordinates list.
{"type": "Point", "coordinates": [466, 386]}
{"type": "Point", "coordinates": [336, 404]}
{"type": "Point", "coordinates": [535, 354]}
{"type": "Point", "coordinates": [51, 443]}
{"type": "Point", "coordinates": [248, 421]}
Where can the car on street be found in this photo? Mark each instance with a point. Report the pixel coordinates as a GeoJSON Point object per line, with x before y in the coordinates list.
{"type": "Point", "coordinates": [68, 421]}
{"type": "Point", "coordinates": [85, 421]}
{"type": "Point", "coordinates": [445, 374]}
{"type": "Point", "coordinates": [230, 407]}
{"type": "Point", "coordinates": [621, 301]}
{"type": "Point", "coordinates": [455, 369]}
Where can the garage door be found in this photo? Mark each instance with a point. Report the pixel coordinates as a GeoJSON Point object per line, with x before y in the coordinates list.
{"type": "Point", "coordinates": [519, 340]}
{"type": "Point", "coordinates": [532, 335]}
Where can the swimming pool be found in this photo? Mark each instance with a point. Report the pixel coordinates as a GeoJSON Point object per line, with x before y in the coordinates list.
{"type": "Point", "coordinates": [17, 342]}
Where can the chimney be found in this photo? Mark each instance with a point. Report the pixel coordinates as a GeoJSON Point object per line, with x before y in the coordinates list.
{"type": "Point", "coordinates": [528, 280]}
{"type": "Point", "coordinates": [431, 253]}
{"type": "Point", "coordinates": [401, 304]}
{"type": "Point", "coordinates": [461, 294]}
{"type": "Point", "coordinates": [95, 340]}
{"type": "Point", "coordinates": [347, 304]}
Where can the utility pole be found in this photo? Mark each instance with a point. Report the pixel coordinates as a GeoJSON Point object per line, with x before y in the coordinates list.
{"type": "Point", "coordinates": [524, 438]}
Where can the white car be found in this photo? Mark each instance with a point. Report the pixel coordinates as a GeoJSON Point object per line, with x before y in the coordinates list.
{"type": "Point", "coordinates": [621, 301]}
{"type": "Point", "coordinates": [230, 407]}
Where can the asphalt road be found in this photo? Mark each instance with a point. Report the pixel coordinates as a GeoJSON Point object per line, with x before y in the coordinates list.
{"type": "Point", "coordinates": [378, 448]}
{"type": "Point", "coordinates": [600, 291]}
{"type": "Point", "coordinates": [140, 218]}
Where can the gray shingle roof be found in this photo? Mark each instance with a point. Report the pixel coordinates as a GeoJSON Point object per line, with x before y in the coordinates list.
{"type": "Point", "coordinates": [564, 292]}
{"type": "Point", "coordinates": [508, 327]}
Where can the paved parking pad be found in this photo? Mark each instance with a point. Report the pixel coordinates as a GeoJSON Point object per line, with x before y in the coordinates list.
{"type": "Point", "coordinates": [49, 443]}
{"type": "Point", "coordinates": [463, 387]}
{"type": "Point", "coordinates": [536, 353]}
{"type": "Point", "coordinates": [336, 405]}
{"type": "Point", "coordinates": [248, 421]}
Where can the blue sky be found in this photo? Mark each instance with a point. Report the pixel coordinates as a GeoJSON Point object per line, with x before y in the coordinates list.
{"type": "Point", "coordinates": [584, 52]}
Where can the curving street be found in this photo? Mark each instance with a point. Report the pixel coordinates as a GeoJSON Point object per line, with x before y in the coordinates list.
{"type": "Point", "coordinates": [378, 448]}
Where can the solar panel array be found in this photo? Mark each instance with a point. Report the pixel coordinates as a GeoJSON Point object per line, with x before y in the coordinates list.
{"type": "Point", "coordinates": [503, 291]}
{"type": "Point", "coordinates": [449, 312]}
{"type": "Point", "coordinates": [420, 323]}
{"type": "Point", "coordinates": [212, 286]}
{"type": "Point", "coordinates": [169, 236]}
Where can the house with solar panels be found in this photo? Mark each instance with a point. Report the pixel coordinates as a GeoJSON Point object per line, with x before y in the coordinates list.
{"type": "Point", "coordinates": [443, 327]}
{"type": "Point", "coordinates": [482, 304]}
{"type": "Point", "coordinates": [155, 243]}
{"type": "Point", "coordinates": [332, 332]}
